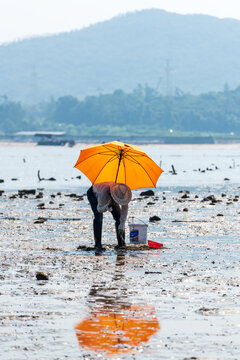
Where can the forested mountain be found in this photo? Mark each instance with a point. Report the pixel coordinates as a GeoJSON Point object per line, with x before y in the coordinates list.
{"type": "Point", "coordinates": [193, 53]}
{"type": "Point", "coordinates": [142, 111]}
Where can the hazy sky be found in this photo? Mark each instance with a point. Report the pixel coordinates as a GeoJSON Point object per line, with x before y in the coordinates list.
{"type": "Point", "coordinates": [24, 18]}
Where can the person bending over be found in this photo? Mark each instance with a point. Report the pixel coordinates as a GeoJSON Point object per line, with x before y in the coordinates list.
{"type": "Point", "coordinates": [113, 197]}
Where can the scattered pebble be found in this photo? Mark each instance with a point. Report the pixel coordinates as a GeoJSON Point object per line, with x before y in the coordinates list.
{"type": "Point", "coordinates": [147, 193]}
{"type": "Point", "coordinates": [27, 192]}
{"type": "Point", "coordinates": [40, 220]}
{"type": "Point", "coordinates": [154, 218]}
{"type": "Point", "coordinates": [41, 276]}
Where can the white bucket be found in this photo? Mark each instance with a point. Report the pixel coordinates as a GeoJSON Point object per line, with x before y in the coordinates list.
{"type": "Point", "coordinates": [138, 233]}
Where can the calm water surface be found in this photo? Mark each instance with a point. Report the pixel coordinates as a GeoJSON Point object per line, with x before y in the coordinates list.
{"type": "Point", "coordinates": [23, 163]}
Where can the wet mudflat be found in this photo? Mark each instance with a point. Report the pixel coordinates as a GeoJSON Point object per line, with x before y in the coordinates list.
{"type": "Point", "coordinates": [177, 302]}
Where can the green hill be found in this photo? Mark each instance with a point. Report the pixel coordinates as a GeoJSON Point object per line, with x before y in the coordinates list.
{"type": "Point", "coordinates": [141, 112]}
{"type": "Point", "coordinates": [194, 53]}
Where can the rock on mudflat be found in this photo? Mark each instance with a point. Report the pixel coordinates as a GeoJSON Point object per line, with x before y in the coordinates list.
{"type": "Point", "coordinates": [40, 220]}
{"type": "Point", "coordinates": [147, 193]}
{"type": "Point", "coordinates": [39, 195]}
{"type": "Point", "coordinates": [26, 192]}
{"type": "Point", "coordinates": [41, 276]}
{"type": "Point", "coordinates": [41, 206]}
{"type": "Point", "coordinates": [154, 218]}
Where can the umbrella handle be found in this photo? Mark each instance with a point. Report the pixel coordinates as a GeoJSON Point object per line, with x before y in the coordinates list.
{"type": "Point", "coordinates": [134, 217]}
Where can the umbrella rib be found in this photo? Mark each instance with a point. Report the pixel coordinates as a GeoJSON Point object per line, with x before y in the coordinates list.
{"type": "Point", "coordinates": [133, 158]}
{"type": "Point", "coordinates": [112, 158]}
{"type": "Point", "coordinates": [99, 153]}
{"type": "Point", "coordinates": [111, 149]}
{"type": "Point", "coordinates": [142, 168]}
{"type": "Point", "coordinates": [124, 170]}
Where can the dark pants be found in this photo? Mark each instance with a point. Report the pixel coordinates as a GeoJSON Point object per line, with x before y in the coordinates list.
{"type": "Point", "coordinates": [98, 217]}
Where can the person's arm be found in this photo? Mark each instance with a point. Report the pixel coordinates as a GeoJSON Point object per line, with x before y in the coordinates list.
{"type": "Point", "coordinates": [103, 197]}
{"type": "Point", "coordinates": [123, 217]}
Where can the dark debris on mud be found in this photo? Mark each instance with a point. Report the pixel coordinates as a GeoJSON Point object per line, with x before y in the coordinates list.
{"type": "Point", "coordinates": [128, 247]}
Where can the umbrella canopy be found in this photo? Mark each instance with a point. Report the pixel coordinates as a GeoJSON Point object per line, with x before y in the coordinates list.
{"type": "Point", "coordinates": [119, 162]}
{"type": "Point", "coordinates": [117, 332]}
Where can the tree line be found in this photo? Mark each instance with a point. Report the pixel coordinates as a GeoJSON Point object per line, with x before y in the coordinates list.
{"type": "Point", "coordinates": [143, 111]}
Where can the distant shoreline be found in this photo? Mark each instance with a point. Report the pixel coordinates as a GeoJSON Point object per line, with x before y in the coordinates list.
{"type": "Point", "coordinates": [84, 144]}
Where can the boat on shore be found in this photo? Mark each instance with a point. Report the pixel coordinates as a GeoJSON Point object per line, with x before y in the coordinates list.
{"type": "Point", "coordinates": [47, 138]}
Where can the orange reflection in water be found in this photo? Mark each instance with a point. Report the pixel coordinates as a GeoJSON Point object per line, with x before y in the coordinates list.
{"type": "Point", "coordinates": [119, 331]}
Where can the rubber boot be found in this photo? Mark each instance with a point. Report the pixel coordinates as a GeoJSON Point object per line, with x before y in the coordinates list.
{"type": "Point", "coordinates": [120, 239]}
{"type": "Point", "coordinates": [97, 231]}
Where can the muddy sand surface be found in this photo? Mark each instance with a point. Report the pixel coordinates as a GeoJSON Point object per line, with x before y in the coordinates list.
{"type": "Point", "coordinates": [59, 301]}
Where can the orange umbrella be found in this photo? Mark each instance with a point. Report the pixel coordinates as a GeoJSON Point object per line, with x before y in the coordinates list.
{"type": "Point", "coordinates": [117, 332]}
{"type": "Point", "coordinates": [119, 162]}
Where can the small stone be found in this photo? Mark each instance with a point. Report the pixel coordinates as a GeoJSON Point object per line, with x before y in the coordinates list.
{"type": "Point", "coordinates": [26, 192]}
{"type": "Point", "coordinates": [184, 191]}
{"type": "Point", "coordinates": [147, 193]}
{"type": "Point", "coordinates": [13, 197]}
{"type": "Point", "coordinates": [154, 218]}
{"type": "Point", "coordinates": [40, 220]}
{"type": "Point", "coordinates": [219, 214]}
{"type": "Point", "coordinates": [38, 196]}
{"type": "Point", "coordinates": [210, 198]}
{"type": "Point", "coordinates": [41, 206]}
{"type": "Point", "coordinates": [41, 276]}
{"type": "Point", "coordinates": [185, 210]}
